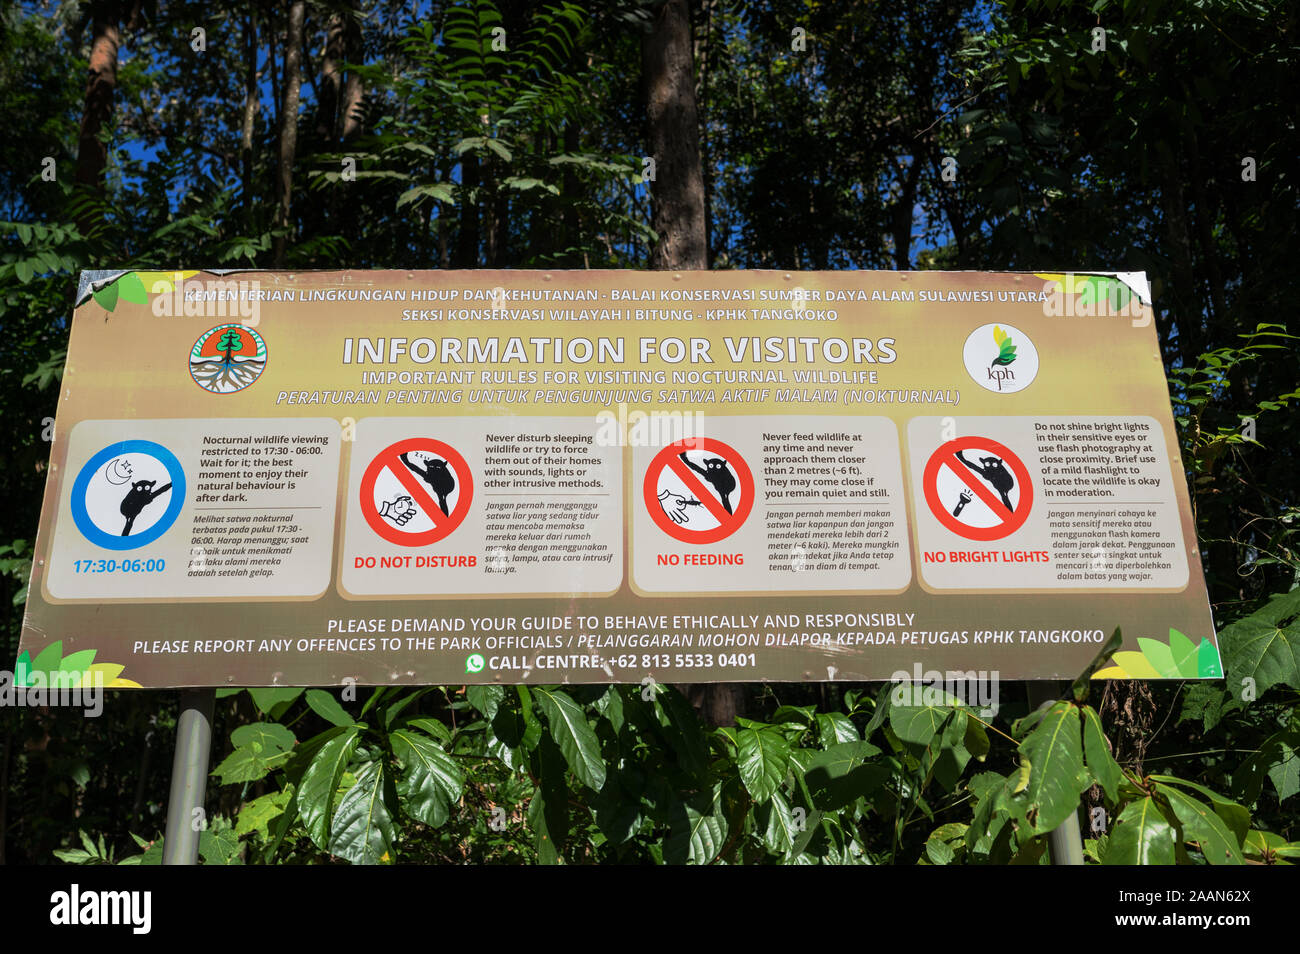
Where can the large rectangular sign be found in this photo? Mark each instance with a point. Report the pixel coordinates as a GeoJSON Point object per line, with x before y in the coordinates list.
{"type": "Point", "coordinates": [451, 477]}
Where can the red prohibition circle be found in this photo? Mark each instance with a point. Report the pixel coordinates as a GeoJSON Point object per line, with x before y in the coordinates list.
{"type": "Point", "coordinates": [946, 454]}
{"type": "Point", "coordinates": [390, 457]}
{"type": "Point", "coordinates": [727, 523]}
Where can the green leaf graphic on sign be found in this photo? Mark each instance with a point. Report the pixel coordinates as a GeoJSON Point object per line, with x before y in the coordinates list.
{"type": "Point", "coordinates": [1006, 349]}
{"type": "Point", "coordinates": [1184, 653]}
{"type": "Point", "coordinates": [106, 297]}
{"type": "Point", "coordinates": [131, 288]}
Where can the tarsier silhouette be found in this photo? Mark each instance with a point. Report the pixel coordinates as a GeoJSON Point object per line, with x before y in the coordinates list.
{"type": "Point", "coordinates": [137, 498]}
{"type": "Point", "coordinates": [719, 476]}
{"type": "Point", "coordinates": [995, 472]}
{"type": "Point", "coordinates": [437, 475]}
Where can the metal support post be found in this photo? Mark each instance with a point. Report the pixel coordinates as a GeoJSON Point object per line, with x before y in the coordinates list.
{"type": "Point", "coordinates": [189, 777]}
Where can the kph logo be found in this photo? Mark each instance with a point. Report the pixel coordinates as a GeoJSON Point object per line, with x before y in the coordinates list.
{"type": "Point", "coordinates": [989, 353]}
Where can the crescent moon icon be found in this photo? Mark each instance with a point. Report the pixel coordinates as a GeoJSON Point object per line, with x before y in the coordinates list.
{"type": "Point", "coordinates": [118, 471]}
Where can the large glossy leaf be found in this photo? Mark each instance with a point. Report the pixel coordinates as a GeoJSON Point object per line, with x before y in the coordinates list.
{"type": "Point", "coordinates": [548, 810]}
{"type": "Point", "coordinates": [1101, 763]}
{"type": "Point", "coordinates": [698, 829]}
{"type": "Point", "coordinates": [274, 700]}
{"type": "Point", "coordinates": [834, 728]}
{"type": "Point", "coordinates": [1234, 815]}
{"type": "Point", "coordinates": [844, 773]}
{"type": "Point", "coordinates": [1202, 825]}
{"type": "Point", "coordinates": [945, 754]}
{"type": "Point", "coordinates": [327, 707]}
{"type": "Point", "coordinates": [431, 726]}
{"type": "Point", "coordinates": [1056, 774]}
{"type": "Point", "coordinates": [1142, 836]}
{"type": "Point", "coordinates": [916, 713]}
{"type": "Point", "coordinates": [1285, 772]}
{"type": "Point", "coordinates": [259, 748]}
{"type": "Point", "coordinates": [1265, 646]}
{"type": "Point", "coordinates": [573, 734]}
{"type": "Point", "coordinates": [320, 782]}
{"type": "Point", "coordinates": [257, 815]}
{"type": "Point", "coordinates": [486, 699]}
{"type": "Point", "coordinates": [220, 847]}
{"type": "Point", "coordinates": [763, 757]}
{"type": "Point", "coordinates": [781, 829]}
{"type": "Point", "coordinates": [431, 781]}
{"type": "Point", "coordinates": [362, 828]}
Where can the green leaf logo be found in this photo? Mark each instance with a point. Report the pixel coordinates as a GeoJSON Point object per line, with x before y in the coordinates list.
{"type": "Point", "coordinates": [1006, 350]}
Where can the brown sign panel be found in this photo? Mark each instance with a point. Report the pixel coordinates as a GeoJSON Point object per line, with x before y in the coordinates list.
{"type": "Point", "coordinates": [431, 477]}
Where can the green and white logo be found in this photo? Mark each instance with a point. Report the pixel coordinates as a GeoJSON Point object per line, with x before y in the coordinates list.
{"type": "Point", "coordinates": [227, 358]}
{"type": "Point", "coordinates": [475, 662]}
{"type": "Point", "coordinates": [1000, 358]}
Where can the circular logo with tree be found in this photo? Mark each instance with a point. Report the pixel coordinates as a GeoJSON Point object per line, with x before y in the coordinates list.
{"type": "Point", "coordinates": [227, 358]}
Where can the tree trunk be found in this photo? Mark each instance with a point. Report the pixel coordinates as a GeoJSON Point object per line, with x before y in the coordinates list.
{"type": "Point", "coordinates": [678, 213]}
{"type": "Point", "coordinates": [467, 237]}
{"type": "Point", "coordinates": [289, 125]}
{"type": "Point", "coordinates": [678, 188]}
{"type": "Point", "coordinates": [101, 81]}
{"type": "Point", "coordinates": [330, 89]}
{"type": "Point", "coordinates": [703, 47]}
{"type": "Point", "coordinates": [351, 118]}
{"type": "Point", "coordinates": [1181, 302]}
{"type": "Point", "coordinates": [571, 189]}
{"type": "Point", "coordinates": [902, 214]}
{"type": "Point", "coordinates": [250, 118]}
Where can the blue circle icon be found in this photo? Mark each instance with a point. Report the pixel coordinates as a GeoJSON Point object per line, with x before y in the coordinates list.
{"type": "Point", "coordinates": [116, 497]}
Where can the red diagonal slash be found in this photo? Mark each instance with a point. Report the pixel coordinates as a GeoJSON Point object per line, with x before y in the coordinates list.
{"type": "Point", "coordinates": [415, 487]}
{"type": "Point", "coordinates": [702, 493]}
{"type": "Point", "coordinates": [967, 476]}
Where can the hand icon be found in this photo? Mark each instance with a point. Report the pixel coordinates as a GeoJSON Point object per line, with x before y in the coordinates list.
{"type": "Point", "coordinates": [675, 505]}
{"type": "Point", "coordinates": [399, 510]}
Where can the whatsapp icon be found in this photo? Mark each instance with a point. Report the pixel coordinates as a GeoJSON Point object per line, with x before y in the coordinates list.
{"type": "Point", "coordinates": [474, 663]}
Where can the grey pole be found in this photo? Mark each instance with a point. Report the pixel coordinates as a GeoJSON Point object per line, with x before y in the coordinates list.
{"type": "Point", "coordinates": [1064, 843]}
{"type": "Point", "coordinates": [189, 777]}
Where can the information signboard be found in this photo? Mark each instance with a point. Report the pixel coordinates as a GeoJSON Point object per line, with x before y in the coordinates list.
{"type": "Point", "coordinates": [516, 476]}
